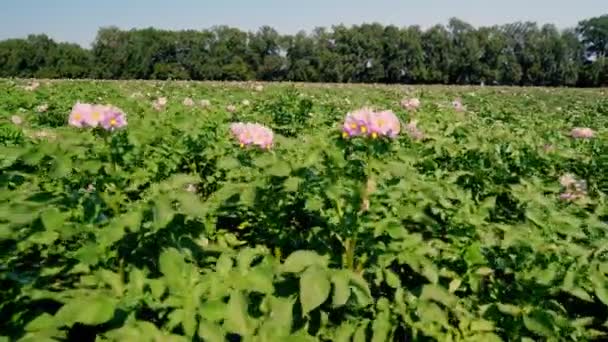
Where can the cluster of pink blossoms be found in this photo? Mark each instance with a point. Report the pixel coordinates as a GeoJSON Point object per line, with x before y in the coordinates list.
{"type": "Point", "coordinates": [458, 106]}
{"type": "Point", "coordinates": [90, 115]}
{"type": "Point", "coordinates": [369, 123]}
{"type": "Point", "coordinates": [413, 131]}
{"type": "Point", "coordinates": [252, 134]}
{"type": "Point", "coordinates": [573, 188]}
{"type": "Point", "coordinates": [582, 133]}
{"type": "Point", "coordinates": [410, 104]}
{"type": "Point", "coordinates": [160, 103]}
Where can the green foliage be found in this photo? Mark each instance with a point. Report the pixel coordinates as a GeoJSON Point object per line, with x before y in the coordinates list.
{"type": "Point", "coordinates": [520, 53]}
{"type": "Point", "coordinates": [168, 230]}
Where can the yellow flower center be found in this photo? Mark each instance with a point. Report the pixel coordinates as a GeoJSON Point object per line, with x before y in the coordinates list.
{"type": "Point", "coordinates": [344, 134]}
{"type": "Point", "coordinates": [113, 122]}
{"type": "Point", "coordinates": [242, 145]}
{"type": "Point", "coordinates": [96, 116]}
{"type": "Point", "coordinates": [363, 129]}
{"type": "Point", "coordinates": [374, 135]}
{"type": "Point", "coordinates": [353, 125]}
{"type": "Point", "coordinates": [77, 116]}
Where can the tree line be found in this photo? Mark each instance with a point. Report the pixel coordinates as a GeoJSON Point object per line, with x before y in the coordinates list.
{"type": "Point", "coordinates": [520, 53]}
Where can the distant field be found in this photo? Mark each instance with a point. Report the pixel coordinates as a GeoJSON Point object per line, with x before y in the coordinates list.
{"type": "Point", "coordinates": [484, 219]}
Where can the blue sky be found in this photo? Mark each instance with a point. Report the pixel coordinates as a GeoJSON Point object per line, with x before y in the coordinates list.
{"type": "Point", "coordinates": [78, 20]}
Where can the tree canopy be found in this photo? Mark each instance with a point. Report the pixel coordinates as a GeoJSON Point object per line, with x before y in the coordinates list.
{"type": "Point", "coordinates": [521, 53]}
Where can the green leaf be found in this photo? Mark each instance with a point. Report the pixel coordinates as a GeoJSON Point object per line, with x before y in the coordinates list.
{"type": "Point", "coordinates": [314, 204]}
{"type": "Point", "coordinates": [213, 311]}
{"type": "Point", "coordinates": [189, 320]}
{"type": "Point", "coordinates": [157, 287]}
{"type": "Point", "coordinates": [228, 163]}
{"type": "Point", "coordinates": [344, 332]}
{"type": "Point", "coordinates": [88, 311]}
{"type": "Point", "coordinates": [509, 309]}
{"type": "Point", "coordinates": [297, 261]}
{"type": "Point", "coordinates": [259, 280]}
{"type": "Point", "coordinates": [190, 204]}
{"type": "Point", "coordinates": [62, 167]}
{"type": "Point", "coordinates": [539, 322]}
{"type": "Point", "coordinates": [246, 257]}
{"type": "Point", "coordinates": [359, 335]}
{"type": "Point", "coordinates": [137, 280]}
{"type": "Point", "coordinates": [392, 279]}
{"type": "Point", "coordinates": [279, 169]}
{"type": "Point", "coordinates": [314, 288]}
{"type": "Point", "coordinates": [278, 323]}
{"type": "Point", "coordinates": [341, 280]}
{"type": "Point", "coordinates": [431, 312]}
{"type": "Point", "coordinates": [113, 279]}
{"type": "Point", "coordinates": [163, 213]}
{"type": "Point", "coordinates": [438, 294]}
{"type": "Point", "coordinates": [46, 237]}
{"type": "Point", "coordinates": [292, 184]}
{"type": "Point", "coordinates": [211, 332]}
{"type": "Point", "coordinates": [42, 322]}
{"type": "Point", "coordinates": [173, 266]}
{"type": "Point", "coordinates": [52, 219]}
{"type": "Point", "coordinates": [482, 325]}
{"type": "Point", "coordinates": [237, 320]}
{"type": "Point", "coordinates": [454, 285]}
{"type": "Point", "coordinates": [224, 264]}
{"type": "Point", "coordinates": [263, 161]}
{"type": "Point", "coordinates": [381, 326]}
{"type": "Point", "coordinates": [429, 271]}
{"type": "Point", "coordinates": [473, 255]}
{"type": "Point", "coordinates": [599, 285]}
{"type": "Point", "coordinates": [360, 289]}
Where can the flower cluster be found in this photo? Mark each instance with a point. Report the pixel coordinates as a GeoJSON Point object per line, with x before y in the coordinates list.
{"type": "Point", "coordinates": [188, 102]}
{"type": "Point", "coordinates": [32, 86]}
{"type": "Point", "coordinates": [160, 103]}
{"type": "Point", "coordinates": [17, 120]}
{"type": "Point", "coordinates": [573, 189]}
{"type": "Point", "coordinates": [410, 104]}
{"type": "Point", "coordinates": [458, 106]}
{"type": "Point", "coordinates": [90, 115]}
{"type": "Point", "coordinates": [413, 131]}
{"type": "Point", "coordinates": [368, 123]}
{"type": "Point", "coordinates": [42, 108]}
{"type": "Point", "coordinates": [252, 134]}
{"type": "Point", "coordinates": [582, 133]}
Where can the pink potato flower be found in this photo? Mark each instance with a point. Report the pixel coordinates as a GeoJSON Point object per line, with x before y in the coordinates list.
{"type": "Point", "coordinates": [96, 115]}
{"type": "Point", "coordinates": [357, 122]}
{"type": "Point", "coordinates": [582, 133]}
{"type": "Point", "coordinates": [368, 123]}
{"type": "Point", "coordinates": [384, 124]}
{"type": "Point", "coordinates": [188, 102]}
{"type": "Point", "coordinates": [16, 119]}
{"type": "Point", "coordinates": [160, 103]}
{"type": "Point", "coordinates": [413, 131]}
{"type": "Point", "coordinates": [410, 104]}
{"type": "Point", "coordinates": [113, 119]}
{"type": "Point", "coordinates": [252, 134]}
{"type": "Point", "coordinates": [80, 114]}
{"type": "Point", "coordinates": [458, 106]}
